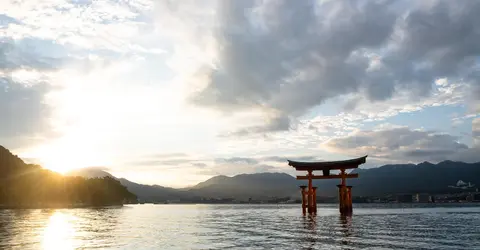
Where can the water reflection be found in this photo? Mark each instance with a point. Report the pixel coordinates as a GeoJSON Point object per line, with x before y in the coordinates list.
{"type": "Point", "coordinates": [310, 224]}
{"type": "Point", "coordinates": [59, 232]}
{"type": "Point", "coordinates": [346, 229]}
{"type": "Point", "coordinates": [58, 228]}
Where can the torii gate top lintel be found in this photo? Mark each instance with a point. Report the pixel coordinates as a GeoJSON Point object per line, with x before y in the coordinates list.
{"type": "Point", "coordinates": [327, 165]}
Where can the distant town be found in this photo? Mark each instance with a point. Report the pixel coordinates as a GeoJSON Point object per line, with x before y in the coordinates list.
{"type": "Point", "coordinates": [461, 197]}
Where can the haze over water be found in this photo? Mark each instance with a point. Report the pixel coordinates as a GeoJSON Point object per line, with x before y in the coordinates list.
{"type": "Point", "coordinates": [241, 226]}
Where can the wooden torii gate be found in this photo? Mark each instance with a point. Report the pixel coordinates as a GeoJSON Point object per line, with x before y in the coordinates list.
{"type": "Point", "coordinates": [309, 196]}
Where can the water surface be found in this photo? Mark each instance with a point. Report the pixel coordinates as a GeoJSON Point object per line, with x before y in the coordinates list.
{"type": "Point", "coordinates": [241, 226]}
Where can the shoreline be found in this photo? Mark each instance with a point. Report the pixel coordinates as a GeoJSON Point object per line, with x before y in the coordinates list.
{"type": "Point", "coordinates": [4, 207]}
{"type": "Point", "coordinates": [406, 204]}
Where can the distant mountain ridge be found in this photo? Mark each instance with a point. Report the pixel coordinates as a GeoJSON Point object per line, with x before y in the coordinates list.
{"type": "Point", "coordinates": [415, 178]}
{"type": "Point", "coordinates": [388, 179]}
{"type": "Point", "coordinates": [245, 186]}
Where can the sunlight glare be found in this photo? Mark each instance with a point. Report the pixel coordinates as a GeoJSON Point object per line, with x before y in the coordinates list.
{"type": "Point", "coordinates": [66, 155]}
{"type": "Point", "coordinates": [59, 233]}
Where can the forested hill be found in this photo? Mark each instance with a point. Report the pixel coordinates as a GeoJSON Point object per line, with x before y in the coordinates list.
{"type": "Point", "coordinates": [28, 185]}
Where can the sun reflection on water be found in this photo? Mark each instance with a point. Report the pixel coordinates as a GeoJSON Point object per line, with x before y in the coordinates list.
{"type": "Point", "coordinates": [59, 233]}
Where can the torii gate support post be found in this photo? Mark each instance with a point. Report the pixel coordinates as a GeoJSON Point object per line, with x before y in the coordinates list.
{"type": "Point", "coordinates": [343, 203]}
{"type": "Point", "coordinates": [314, 200]}
{"type": "Point", "coordinates": [344, 196]}
{"type": "Point", "coordinates": [349, 198]}
{"type": "Point", "coordinates": [310, 192]}
{"type": "Point", "coordinates": [304, 199]}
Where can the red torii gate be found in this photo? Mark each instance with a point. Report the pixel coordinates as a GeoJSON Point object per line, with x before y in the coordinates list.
{"type": "Point", "coordinates": [309, 196]}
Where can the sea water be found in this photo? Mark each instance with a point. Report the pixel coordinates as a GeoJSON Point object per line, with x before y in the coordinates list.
{"type": "Point", "coordinates": [148, 226]}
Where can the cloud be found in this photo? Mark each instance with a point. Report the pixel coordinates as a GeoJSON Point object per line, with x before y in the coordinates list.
{"type": "Point", "coordinates": [98, 168]}
{"type": "Point", "coordinates": [199, 165]}
{"type": "Point", "coordinates": [287, 57]}
{"type": "Point", "coordinates": [41, 42]}
{"type": "Point", "coordinates": [234, 168]}
{"type": "Point", "coordinates": [107, 25]}
{"type": "Point", "coordinates": [257, 164]}
{"type": "Point", "coordinates": [274, 124]}
{"type": "Point", "coordinates": [476, 131]}
{"type": "Point", "coordinates": [209, 166]}
{"type": "Point", "coordinates": [30, 53]}
{"type": "Point", "coordinates": [165, 160]}
{"type": "Point", "coordinates": [237, 160]}
{"type": "Point", "coordinates": [21, 108]}
{"type": "Point", "coordinates": [6, 20]}
{"type": "Point", "coordinates": [267, 159]}
{"type": "Point", "coordinates": [26, 66]}
{"type": "Point", "coordinates": [402, 144]}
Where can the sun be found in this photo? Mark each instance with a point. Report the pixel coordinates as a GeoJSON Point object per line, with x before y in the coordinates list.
{"type": "Point", "coordinates": [60, 165]}
{"type": "Point", "coordinates": [64, 161]}
{"type": "Point", "coordinates": [64, 157]}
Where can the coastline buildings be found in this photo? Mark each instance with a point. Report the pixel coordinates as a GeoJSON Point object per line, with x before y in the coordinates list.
{"type": "Point", "coordinates": [423, 198]}
{"type": "Point", "coordinates": [404, 198]}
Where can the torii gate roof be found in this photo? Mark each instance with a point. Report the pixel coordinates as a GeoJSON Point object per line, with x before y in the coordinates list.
{"type": "Point", "coordinates": [328, 165]}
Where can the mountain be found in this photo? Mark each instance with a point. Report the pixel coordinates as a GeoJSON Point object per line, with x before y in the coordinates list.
{"type": "Point", "coordinates": [26, 185]}
{"type": "Point", "coordinates": [11, 164]}
{"type": "Point", "coordinates": [409, 178]}
{"type": "Point", "coordinates": [245, 186]}
{"type": "Point", "coordinates": [149, 193]}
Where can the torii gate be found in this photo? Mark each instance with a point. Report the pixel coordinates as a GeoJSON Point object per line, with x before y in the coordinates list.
{"type": "Point", "coordinates": [309, 196]}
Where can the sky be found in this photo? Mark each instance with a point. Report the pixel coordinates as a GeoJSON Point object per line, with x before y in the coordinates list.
{"type": "Point", "coordinates": [175, 92]}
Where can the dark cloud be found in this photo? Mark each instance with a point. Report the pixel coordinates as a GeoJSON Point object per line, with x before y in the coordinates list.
{"type": "Point", "coordinates": [403, 144]}
{"type": "Point", "coordinates": [289, 56]}
{"type": "Point", "coordinates": [476, 132]}
{"type": "Point", "coordinates": [280, 123]}
{"type": "Point", "coordinates": [24, 113]}
{"type": "Point", "coordinates": [351, 104]}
